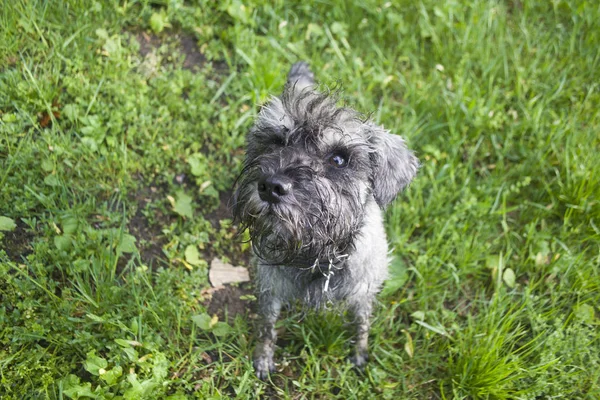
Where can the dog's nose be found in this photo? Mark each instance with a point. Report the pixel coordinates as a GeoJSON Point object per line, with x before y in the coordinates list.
{"type": "Point", "coordinates": [273, 188]}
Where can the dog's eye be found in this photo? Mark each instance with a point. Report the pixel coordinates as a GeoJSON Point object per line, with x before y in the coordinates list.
{"type": "Point", "coordinates": [277, 141]}
{"type": "Point", "coordinates": [338, 161]}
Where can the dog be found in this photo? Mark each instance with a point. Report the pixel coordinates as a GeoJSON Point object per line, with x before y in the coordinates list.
{"type": "Point", "coordinates": [314, 184]}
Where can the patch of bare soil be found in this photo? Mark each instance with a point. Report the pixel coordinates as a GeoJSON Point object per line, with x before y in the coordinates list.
{"type": "Point", "coordinates": [194, 60]}
{"type": "Point", "coordinates": [227, 304]}
{"type": "Point", "coordinates": [223, 212]}
{"type": "Point", "coordinates": [183, 43]}
{"type": "Point", "coordinates": [17, 244]}
{"type": "Point", "coordinates": [150, 239]}
{"type": "Point", "coordinates": [148, 43]}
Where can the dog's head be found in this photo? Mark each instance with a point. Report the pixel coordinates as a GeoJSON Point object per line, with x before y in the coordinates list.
{"type": "Point", "coordinates": [311, 168]}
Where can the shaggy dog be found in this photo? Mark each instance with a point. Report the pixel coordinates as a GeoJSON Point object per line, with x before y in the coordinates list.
{"type": "Point", "coordinates": [315, 180]}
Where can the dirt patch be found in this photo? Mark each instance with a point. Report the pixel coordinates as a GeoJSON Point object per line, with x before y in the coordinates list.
{"type": "Point", "coordinates": [182, 43]}
{"type": "Point", "coordinates": [222, 212]}
{"type": "Point", "coordinates": [17, 244]}
{"type": "Point", "coordinates": [151, 217]}
{"type": "Point", "coordinates": [226, 302]}
{"type": "Point", "coordinates": [234, 250]}
{"type": "Point", "coordinates": [150, 239]}
{"type": "Point", "coordinates": [148, 43]}
{"type": "Point", "coordinates": [194, 60]}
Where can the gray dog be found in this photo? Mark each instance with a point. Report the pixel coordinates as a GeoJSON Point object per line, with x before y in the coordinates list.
{"type": "Point", "coordinates": [311, 193]}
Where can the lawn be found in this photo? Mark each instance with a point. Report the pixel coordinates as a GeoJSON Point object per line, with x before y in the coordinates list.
{"type": "Point", "coordinates": [122, 131]}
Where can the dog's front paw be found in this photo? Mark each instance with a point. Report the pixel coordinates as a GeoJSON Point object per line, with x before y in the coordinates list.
{"type": "Point", "coordinates": [359, 360]}
{"type": "Point", "coordinates": [263, 366]}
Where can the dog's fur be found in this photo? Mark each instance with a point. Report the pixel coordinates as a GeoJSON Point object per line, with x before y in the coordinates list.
{"type": "Point", "coordinates": [322, 238]}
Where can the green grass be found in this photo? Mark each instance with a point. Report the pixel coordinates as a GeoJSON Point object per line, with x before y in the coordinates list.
{"type": "Point", "coordinates": [122, 128]}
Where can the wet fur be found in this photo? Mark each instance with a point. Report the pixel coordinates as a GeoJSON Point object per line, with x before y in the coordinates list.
{"type": "Point", "coordinates": [325, 241]}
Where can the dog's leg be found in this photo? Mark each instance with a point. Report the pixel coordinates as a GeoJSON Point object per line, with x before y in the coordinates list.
{"type": "Point", "coordinates": [361, 311]}
{"type": "Point", "coordinates": [270, 306]}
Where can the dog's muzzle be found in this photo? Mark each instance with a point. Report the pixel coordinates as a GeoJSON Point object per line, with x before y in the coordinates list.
{"type": "Point", "coordinates": [273, 188]}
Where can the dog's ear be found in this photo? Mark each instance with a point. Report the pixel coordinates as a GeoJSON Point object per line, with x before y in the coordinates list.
{"type": "Point", "coordinates": [300, 77]}
{"type": "Point", "coordinates": [394, 166]}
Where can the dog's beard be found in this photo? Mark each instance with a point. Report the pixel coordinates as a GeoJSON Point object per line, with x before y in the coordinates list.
{"type": "Point", "coordinates": [279, 239]}
{"type": "Point", "coordinates": [312, 226]}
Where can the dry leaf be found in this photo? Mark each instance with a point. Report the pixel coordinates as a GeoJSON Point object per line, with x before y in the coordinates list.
{"type": "Point", "coordinates": [221, 273]}
{"type": "Point", "coordinates": [45, 118]}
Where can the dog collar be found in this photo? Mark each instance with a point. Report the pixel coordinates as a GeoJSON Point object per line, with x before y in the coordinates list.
{"type": "Point", "coordinates": [332, 266]}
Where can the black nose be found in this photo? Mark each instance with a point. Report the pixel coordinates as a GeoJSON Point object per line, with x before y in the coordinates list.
{"type": "Point", "coordinates": [273, 188]}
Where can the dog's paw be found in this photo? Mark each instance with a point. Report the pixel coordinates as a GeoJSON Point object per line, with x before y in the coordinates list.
{"type": "Point", "coordinates": [359, 360]}
{"type": "Point", "coordinates": [263, 366]}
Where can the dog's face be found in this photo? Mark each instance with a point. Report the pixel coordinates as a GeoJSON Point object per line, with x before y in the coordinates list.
{"type": "Point", "coordinates": [310, 170]}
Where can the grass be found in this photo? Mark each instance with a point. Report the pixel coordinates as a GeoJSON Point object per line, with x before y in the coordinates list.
{"type": "Point", "coordinates": [121, 130]}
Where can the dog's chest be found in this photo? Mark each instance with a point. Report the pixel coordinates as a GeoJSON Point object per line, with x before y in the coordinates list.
{"type": "Point", "coordinates": [322, 285]}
